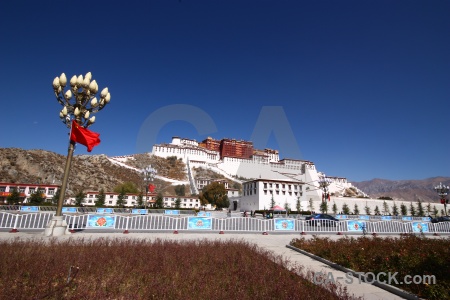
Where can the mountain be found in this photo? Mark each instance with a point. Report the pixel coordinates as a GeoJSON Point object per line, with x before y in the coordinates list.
{"type": "Point", "coordinates": [94, 172]}
{"type": "Point", "coordinates": [404, 190]}
{"type": "Point", "coordinates": [88, 172]}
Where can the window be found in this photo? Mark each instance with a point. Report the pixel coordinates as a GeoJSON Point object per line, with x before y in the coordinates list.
{"type": "Point", "coordinates": [22, 190]}
{"type": "Point", "coordinates": [111, 196]}
{"type": "Point", "coordinates": [50, 191]}
{"type": "Point", "coordinates": [2, 188]}
{"type": "Point", "coordinates": [110, 202]}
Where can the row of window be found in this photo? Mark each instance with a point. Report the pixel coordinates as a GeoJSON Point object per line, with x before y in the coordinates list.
{"type": "Point", "coordinates": [30, 190]}
{"type": "Point", "coordinates": [283, 186]}
{"type": "Point", "coordinates": [166, 204]}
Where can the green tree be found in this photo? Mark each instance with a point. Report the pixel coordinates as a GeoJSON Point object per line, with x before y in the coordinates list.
{"type": "Point", "coordinates": [412, 209]}
{"type": "Point", "coordinates": [286, 206]}
{"type": "Point", "coordinates": [377, 210]}
{"type": "Point", "coordinates": [311, 205]}
{"type": "Point", "coordinates": [128, 187]}
{"type": "Point", "coordinates": [298, 205]}
{"type": "Point", "coordinates": [385, 208]}
{"type": "Point", "coordinates": [37, 198]}
{"type": "Point", "coordinates": [367, 209]}
{"type": "Point", "coordinates": [272, 202]}
{"type": "Point", "coordinates": [356, 209]}
{"type": "Point", "coordinates": [121, 198]}
{"type": "Point", "coordinates": [334, 208]}
{"type": "Point", "coordinates": [55, 197]}
{"type": "Point", "coordinates": [237, 186]}
{"type": "Point", "coordinates": [323, 207]}
{"type": "Point", "coordinates": [140, 200]}
{"type": "Point", "coordinates": [435, 210]}
{"type": "Point", "coordinates": [178, 203]}
{"type": "Point", "coordinates": [420, 211]}
{"type": "Point", "coordinates": [345, 209]}
{"type": "Point", "coordinates": [395, 209]}
{"type": "Point", "coordinates": [159, 200]}
{"type": "Point", "coordinates": [79, 198]}
{"type": "Point", "coordinates": [180, 190]}
{"type": "Point", "coordinates": [429, 208]}
{"type": "Point", "coordinates": [403, 209]}
{"type": "Point", "coordinates": [100, 201]}
{"type": "Point", "coordinates": [14, 197]}
{"type": "Point", "coordinates": [216, 194]}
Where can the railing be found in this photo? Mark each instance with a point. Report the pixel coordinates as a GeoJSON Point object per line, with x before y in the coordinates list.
{"type": "Point", "coordinates": [153, 222]}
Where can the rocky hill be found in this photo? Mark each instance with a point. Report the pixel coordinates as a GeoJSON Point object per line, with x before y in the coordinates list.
{"type": "Point", "coordinates": [406, 190]}
{"type": "Point", "coordinates": [88, 172]}
{"type": "Point", "coordinates": [93, 172]}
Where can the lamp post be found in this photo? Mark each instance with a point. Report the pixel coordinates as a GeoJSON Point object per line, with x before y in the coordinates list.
{"type": "Point", "coordinates": [324, 182]}
{"type": "Point", "coordinates": [442, 191]}
{"type": "Point", "coordinates": [149, 175]}
{"type": "Point", "coordinates": [79, 102]}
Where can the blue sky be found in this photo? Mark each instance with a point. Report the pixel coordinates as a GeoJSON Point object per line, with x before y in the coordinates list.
{"type": "Point", "coordinates": [360, 88]}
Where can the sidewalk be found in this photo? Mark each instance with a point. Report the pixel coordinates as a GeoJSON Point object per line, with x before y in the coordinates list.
{"type": "Point", "coordinates": [276, 243]}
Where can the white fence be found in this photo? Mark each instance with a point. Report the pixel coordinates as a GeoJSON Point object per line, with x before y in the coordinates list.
{"type": "Point", "coordinates": [136, 223]}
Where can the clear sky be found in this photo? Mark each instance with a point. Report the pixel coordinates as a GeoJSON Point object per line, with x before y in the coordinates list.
{"type": "Point", "coordinates": [360, 88]}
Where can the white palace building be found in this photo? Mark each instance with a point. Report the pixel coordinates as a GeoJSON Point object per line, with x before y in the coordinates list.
{"type": "Point", "coordinates": [261, 172]}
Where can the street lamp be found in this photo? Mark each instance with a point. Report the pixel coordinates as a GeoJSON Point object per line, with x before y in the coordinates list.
{"type": "Point", "coordinates": [149, 175]}
{"type": "Point", "coordinates": [442, 191]}
{"type": "Point", "coordinates": [79, 102]}
{"type": "Point", "coordinates": [324, 182]}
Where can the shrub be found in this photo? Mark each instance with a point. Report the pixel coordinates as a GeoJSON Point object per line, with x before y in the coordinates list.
{"type": "Point", "coordinates": [141, 269]}
{"type": "Point", "coordinates": [407, 255]}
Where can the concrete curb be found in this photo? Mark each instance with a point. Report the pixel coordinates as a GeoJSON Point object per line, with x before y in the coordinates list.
{"type": "Point", "coordinates": [392, 289]}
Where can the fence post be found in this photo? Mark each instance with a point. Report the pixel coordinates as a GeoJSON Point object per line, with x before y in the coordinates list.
{"type": "Point", "coordinates": [126, 226]}
{"type": "Point", "coordinates": [221, 225]}
{"type": "Point", "coordinates": [176, 226]}
{"type": "Point", "coordinates": [339, 226]}
{"type": "Point", "coordinates": [14, 230]}
{"type": "Point", "coordinates": [72, 224]}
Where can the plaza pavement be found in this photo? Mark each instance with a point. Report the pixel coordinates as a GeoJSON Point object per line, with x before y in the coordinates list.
{"type": "Point", "coordinates": [277, 243]}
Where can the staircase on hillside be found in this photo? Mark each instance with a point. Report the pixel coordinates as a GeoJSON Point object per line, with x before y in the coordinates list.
{"type": "Point", "coordinates": [192, 184]}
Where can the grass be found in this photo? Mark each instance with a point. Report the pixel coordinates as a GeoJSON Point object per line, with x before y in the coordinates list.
{"type": "Point", "coordinates": [159, 269]}
{"type": "Point", "coordinates": [408, 255]}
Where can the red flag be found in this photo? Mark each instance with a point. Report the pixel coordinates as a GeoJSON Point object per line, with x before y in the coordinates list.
{"type": "Point", "coordinates": [83, 136]}
{"type": "Point", "coordinates": [329, 198]}
{"type": "Point", "coordinates": [151, 188]}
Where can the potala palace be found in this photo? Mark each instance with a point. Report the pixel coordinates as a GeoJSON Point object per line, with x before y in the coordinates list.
{"type": "Point", "coordinates": [261, 172]}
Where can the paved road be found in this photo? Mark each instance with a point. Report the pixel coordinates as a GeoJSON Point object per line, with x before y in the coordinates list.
{"type": "Point", "coordinates": [274, 242]}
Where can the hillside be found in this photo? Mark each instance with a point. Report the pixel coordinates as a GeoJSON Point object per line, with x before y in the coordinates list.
{"type": "Point", "coordinates": [88, 172]}
{"type": "Point", "coordinates": [93, 172]}
{"type": "Point", "coordinates": [407, 190]}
